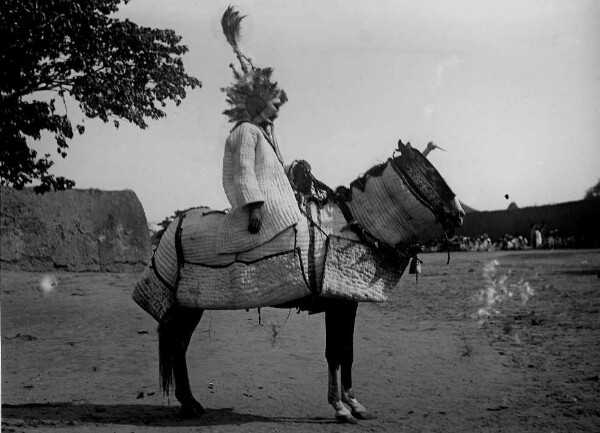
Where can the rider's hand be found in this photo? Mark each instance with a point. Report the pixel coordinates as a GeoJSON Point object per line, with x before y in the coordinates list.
{"type": "Point", "coordinates": [255, 219]}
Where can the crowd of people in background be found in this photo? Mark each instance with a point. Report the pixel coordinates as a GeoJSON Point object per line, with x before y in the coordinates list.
{"type": "Point", "coordinates": [536, 240]}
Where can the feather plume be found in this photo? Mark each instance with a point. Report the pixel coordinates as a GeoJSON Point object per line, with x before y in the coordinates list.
{"type": "Point", "coordinates": [231, 22]}
{"type": "Point", "coordinates": [232, 25]}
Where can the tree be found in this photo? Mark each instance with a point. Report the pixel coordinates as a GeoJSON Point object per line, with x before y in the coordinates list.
{"type": "Point", "coordinates": [114, 69]}
{"type": "Point", "coordinates": [593, 192]}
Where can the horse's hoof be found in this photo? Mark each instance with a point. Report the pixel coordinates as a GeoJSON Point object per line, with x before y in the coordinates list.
{"type": "Point", "coordinates": [346, 419]}
{"type": "Point", "coordinates": [364, 415]}
{"type": "Point", "coordinates": [192, 411]}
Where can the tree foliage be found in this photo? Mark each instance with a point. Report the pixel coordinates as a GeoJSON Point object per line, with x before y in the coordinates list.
{"type": "Point", "coordinates": [115, 70]}
{"type": "Point", "coordinates": [593, 191]}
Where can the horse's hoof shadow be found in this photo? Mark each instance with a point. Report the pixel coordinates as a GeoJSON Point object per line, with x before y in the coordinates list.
{"type": "Point", "coordinates": [346, 419]}
{"type": "Point", "coordinates": [192, 412]}
{"type": "Point", "coordinates": [363, 415]}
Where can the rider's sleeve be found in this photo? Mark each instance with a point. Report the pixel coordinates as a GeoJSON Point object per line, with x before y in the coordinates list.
{"type": "Point", "coordinates": [243, 148]}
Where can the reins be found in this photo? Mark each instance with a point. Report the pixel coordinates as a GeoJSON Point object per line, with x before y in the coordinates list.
{"type": "Point", "coordinates": [335, 197]}
{"type": "Point", "coordinates": [356, 227]}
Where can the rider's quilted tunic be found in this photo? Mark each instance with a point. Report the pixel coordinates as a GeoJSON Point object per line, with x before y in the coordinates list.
{"type": "Point", "coordinates": [253, 172]}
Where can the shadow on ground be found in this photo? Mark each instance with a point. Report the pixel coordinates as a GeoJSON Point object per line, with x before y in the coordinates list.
{"type": "Point", "coordinates": [69, 414]}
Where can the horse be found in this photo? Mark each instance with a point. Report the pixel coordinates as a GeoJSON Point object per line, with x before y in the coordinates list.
{"type": "Point", "coordinates": [380, 215]}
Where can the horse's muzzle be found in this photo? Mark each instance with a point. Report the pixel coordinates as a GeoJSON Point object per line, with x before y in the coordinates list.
{"type": "Point", "coordinates": [453, 220]}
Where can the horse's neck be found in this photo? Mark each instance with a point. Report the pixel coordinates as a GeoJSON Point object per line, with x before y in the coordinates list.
{"type": "Point", "coordinates": [382, 204]}
{"type": "Point", "coordinates": [330, 219]}
{"type": "Point", "coordinates": [387, 209]}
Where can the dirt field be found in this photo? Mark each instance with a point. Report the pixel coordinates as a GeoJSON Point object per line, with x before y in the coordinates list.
{"type": "Point", "coordinates": [492, 342]}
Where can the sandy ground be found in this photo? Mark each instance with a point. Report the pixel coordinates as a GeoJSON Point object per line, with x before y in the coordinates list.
{"type": "Point", "coordinates": [492, 342]}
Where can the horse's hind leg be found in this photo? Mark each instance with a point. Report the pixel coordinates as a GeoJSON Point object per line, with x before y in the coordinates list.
{"type": "Point", "coordinates": [174, 339]}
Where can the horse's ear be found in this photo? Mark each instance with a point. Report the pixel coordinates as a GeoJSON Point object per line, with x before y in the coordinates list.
{"type": "Point", "coordinates": [404, 149]}
{"type": "Point", "coordinates": [401, 147]}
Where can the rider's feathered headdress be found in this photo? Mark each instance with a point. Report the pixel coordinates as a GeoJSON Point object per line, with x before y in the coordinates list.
{"type": "Point", "coordinates": [253, 88]}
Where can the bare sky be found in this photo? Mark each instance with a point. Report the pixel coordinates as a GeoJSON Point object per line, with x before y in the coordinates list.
{"type": "Point", "coordinates": [510, 89]}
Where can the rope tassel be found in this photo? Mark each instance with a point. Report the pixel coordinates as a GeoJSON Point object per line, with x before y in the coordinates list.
{"type": "Point", "coordinates": [415, 267]}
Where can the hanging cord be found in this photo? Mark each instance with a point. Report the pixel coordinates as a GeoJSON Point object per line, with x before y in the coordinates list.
{"type": "Point", "coordinates": [312, 222]}
{"type": "Point", "coordinates": [412, 250]}
{"type": "Point", "coordinates": [447, 246]}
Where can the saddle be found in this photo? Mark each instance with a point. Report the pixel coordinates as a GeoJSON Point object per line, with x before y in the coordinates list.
{"type": "Point", "coordinates": [199, 236]}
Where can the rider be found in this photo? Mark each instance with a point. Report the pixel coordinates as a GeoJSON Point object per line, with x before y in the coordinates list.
{"type": "Point", "coordinates": [254, 177]}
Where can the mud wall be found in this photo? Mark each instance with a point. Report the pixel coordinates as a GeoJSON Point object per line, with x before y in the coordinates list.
{"type": "Point", "coordinates": [74, 230]}
{"type": "Point", "coordinates": [579, 219]}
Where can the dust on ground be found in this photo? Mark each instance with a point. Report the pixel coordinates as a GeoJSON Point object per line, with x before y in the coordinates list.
{"type": "Point", "coordinates": [492, 342]}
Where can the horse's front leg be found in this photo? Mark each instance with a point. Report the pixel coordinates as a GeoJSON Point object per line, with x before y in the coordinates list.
{"type": "Point", "coordinates": [334, 396]}
{"type": "Point", "coordinates": [339, 324]}
{"type": "Point", "coordinates": [357, 409]}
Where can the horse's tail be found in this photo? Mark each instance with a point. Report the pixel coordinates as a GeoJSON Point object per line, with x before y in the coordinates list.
{"type": "Point", "coordinates": [165, 356]}
{"type": "Point", "coordinates": [167, 329]}
{"type": "Point", "coordinates": [174, 336]}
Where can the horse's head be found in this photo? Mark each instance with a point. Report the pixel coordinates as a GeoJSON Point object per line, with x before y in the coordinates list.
{"type": "Point", "coordinates": [401, 200]}
{"type": "Point", "coordinates": [429, 186]}
{"type": "Point", "coordinates": [395, 202]}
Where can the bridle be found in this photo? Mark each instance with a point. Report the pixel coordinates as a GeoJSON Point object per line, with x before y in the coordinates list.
{"type": "Point", "coordinates": [323, 194]}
